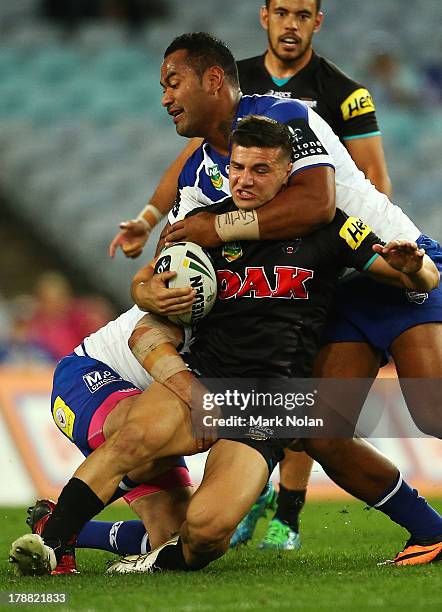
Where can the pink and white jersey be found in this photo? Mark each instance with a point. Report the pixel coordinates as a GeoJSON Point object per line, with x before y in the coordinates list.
{"type": "Point", "coordinates": [110, 345]}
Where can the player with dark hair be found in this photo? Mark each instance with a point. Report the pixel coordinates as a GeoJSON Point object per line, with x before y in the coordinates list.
{"type": "Point", "coordinates": [290, 69]}
{"type": "Point", "coordinates": [361, 336]}
{"type": "Point", "coordinates": [282, 303]}
{"type": "Point", "coordinates": [204, 51]}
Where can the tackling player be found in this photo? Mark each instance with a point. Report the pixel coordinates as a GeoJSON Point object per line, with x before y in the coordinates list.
{"type": "Point", "coordinates": [204, 180]}
{"type": "Point", "coordinates": [92, 393]}
{"type": "Point", "coordinates": [289, 68]}
{"type": "Point", "coordinates": [158, 423]}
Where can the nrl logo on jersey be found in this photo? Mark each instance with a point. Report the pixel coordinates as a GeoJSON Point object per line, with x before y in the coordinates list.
{"type": "Point", "coordinates": [232, 251]}
{"type": "Point", "coordinates": [215, 177]}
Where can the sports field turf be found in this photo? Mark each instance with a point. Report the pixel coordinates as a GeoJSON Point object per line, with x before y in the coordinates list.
{"type": "Point", "coordinates": [335, 570]}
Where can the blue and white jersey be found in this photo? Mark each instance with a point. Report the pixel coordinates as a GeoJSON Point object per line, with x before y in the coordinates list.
{"type": "Point", "coordinates": [204, 178]}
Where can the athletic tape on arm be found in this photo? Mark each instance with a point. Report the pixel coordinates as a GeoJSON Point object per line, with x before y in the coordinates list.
{"type": "Point", "coordinates": [150, 216]}
{"type": "Point", "coordinates": [237, 225]}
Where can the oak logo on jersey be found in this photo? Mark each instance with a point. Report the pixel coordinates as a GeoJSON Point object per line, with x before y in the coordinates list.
{"type": "Point", "coordinates": [358, 103]}
{"type": "Point", "coordinates": [215, 177]}
{"type": "Point", "coordinates": [288, 283]}
{"type": "Point", "coordinates": [64, 417]}
{"type": "Point", "coordinates": [232, 251]}
{"type": "Point", "coordinates": [354, 232]}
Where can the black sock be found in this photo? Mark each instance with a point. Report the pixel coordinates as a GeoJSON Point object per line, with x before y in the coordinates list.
{"type": "Point", "coordinates": [290, 504]}
{"type": "Point", "coordinates": [76, 505]}
{"type": "Point", "coordinates": [171, 557]}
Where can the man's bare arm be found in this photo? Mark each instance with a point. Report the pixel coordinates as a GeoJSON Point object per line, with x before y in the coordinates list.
{"type": "Point", "coordinates": [368, 154]}
{"type": "Point", "coordinates": [405, 265]}
{"type": "Point", "coordinates": [134, 233]}
{"type": "Point", "coordinates": [308, 202]}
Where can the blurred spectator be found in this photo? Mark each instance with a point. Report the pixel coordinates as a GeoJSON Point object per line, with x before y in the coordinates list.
{"type": "Point", "coordinates": [392, 82]}
{"type": "Point", "coordinates": [433, 79]}
{"type": "Point", "coordinates": [60, 321]}
{"type": "Point", "coordinates": [16, 348]}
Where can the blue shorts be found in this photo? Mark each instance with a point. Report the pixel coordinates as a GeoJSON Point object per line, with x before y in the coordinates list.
{"type": "Point", "coordinates": [368, 311]}
{"type": "Point", "coordinates": [84, 392]}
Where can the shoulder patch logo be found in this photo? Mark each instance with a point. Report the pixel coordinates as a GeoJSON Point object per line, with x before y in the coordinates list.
{"type": "Point", "coordinates": [215, 176]}
{"type": "Point", "coordinates": [64, 417]}
{"type": "Point", "coordinates": [354, 231]}
{"type": "Point", "coordinates": [358, 103]}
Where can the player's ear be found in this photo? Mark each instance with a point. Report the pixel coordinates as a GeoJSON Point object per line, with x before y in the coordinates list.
{"type": "Point", "coordinates": [214, 79]}
{"type": "Point", "coordinates": [288, 171]}
{"type": "Point", "coordinates": [318, 22]}
{"type": "Point", "coordinates": [264, 17]}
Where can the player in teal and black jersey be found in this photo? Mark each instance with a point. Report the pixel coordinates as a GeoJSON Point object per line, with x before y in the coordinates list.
{"type": "Point", "coordinates": [290, 68]}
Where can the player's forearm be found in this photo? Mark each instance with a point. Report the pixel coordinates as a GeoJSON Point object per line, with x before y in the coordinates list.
{"type": "Point", "coordinates": [368, 154]}
{"type": "Point", "coordinates": [426, 279]}
{"type": "Point", "coordinates": [162, 240]}
{"type": "Point", "coordinates": [307, 204]}
{"type": "Point", "coordinates": [164, 195]}
{"type": "Point", "coordinates": [380, 179]}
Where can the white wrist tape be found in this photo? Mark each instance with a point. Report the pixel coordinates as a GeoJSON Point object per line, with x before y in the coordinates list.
{"type": "Point", "coordinates": [150, 216]}
{"type": "Point", "coordinates": [237, 225]}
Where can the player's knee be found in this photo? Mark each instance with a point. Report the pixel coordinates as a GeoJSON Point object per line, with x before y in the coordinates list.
{"type": "Point", "coordinates": [131, 445]}
{"type": "Point", "coordinates": [208, 533]}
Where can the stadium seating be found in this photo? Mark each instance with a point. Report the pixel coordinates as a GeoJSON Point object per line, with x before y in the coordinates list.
{"type": "Point", "coordinates": [84, 139]}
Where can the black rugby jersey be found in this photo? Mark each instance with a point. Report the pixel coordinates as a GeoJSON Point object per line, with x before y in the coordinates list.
{"type": "Point", "coordinates": [346, 105]}
{"type": "Point", "coordinates": [273, 299]}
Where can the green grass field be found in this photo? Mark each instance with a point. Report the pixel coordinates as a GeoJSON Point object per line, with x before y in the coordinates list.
{"type": "Point", "coordinates": [336, 569]}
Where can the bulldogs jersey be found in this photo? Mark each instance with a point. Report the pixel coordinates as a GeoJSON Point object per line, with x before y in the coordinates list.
{"type": "Point", "coordinates": [273, 300]}
{"type": "Point", "coordinates": [343, 103]}
{"type": "Point", "coordinates": [110, 345]}
{"type": "Point", "coordinates": [204, 178]}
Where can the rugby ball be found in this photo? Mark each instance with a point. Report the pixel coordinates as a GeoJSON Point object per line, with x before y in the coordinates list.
{"type": "Point", "coordinates": [193, 268]}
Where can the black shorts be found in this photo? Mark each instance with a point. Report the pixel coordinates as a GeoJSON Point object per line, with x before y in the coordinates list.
{"type": "Point", "coordinates": [271, 449]}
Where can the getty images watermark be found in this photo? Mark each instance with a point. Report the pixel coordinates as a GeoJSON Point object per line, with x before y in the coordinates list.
{"type": "Point", "coordinates": [317, 408]}
{"type": "Point", "coordinates": [252, 409]}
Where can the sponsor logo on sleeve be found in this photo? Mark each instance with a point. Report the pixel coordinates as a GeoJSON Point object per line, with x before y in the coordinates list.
{"type": "Point", "coordinates": [95, 380]}
{"type": "Point", "coordinates": [354, 232]}
{"type": "Point", "coordinates": [304, 140]}
{"type": "Point", "coordinates": [64, 417]}
{"type": "Point", "coordinates": [358, 103]}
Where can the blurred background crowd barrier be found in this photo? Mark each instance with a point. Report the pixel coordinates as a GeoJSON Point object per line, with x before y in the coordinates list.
{"type": "Point", "coordinates": [84, 141]}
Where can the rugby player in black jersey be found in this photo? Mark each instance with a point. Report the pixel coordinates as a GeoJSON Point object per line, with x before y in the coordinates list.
{"type": "Point", "coordinates": [289, 68]}
{"type": "Point", "coordinates": [294, 283]}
